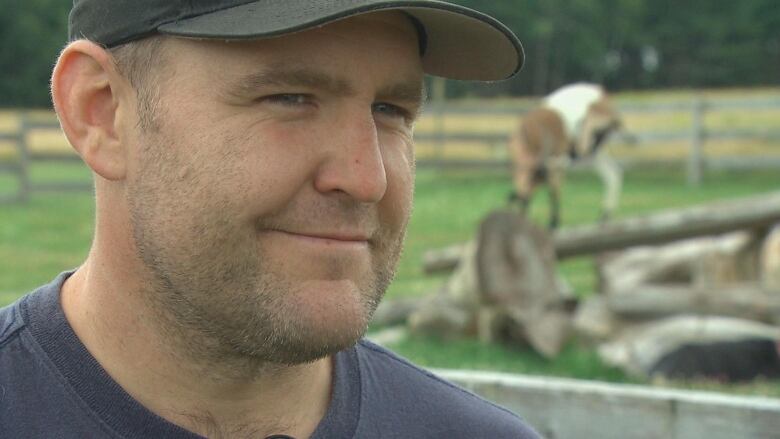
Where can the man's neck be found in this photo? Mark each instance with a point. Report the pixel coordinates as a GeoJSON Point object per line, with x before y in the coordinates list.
{"type": "Point", "coordinates": [213, 398]}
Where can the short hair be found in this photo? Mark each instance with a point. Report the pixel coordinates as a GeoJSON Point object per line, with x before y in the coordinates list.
{"type": "Point", "coordinates": [142, 63]}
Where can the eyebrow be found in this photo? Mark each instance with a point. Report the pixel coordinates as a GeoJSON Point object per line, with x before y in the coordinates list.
{"type": "Point", "coordinates": [404, 90]}
{"type": "Point", "coordinates": [410, 91]}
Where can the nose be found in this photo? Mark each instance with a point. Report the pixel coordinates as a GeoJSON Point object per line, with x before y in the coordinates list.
{"type": "Point", "coordinates": [353, 163]}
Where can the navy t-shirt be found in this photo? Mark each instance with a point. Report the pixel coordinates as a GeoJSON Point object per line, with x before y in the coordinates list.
{"type": "Point", "coordinates": [51, 387]}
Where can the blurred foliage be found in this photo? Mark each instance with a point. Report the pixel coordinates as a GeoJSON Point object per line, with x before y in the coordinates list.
{"type": "Point", "coordinates": [624, 44]}
{"type": "Point", "coordinates": [32, 33]}
{"type": "Point", "coordinates": [635, 44]}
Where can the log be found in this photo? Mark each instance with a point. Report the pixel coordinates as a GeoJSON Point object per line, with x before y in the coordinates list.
{"type": "Point", "coordinates": [567, 408]}
{"type": "Point", "coordinates": [395, 312]}
{"type": "Point", "coordinates": [758, 212]}
{"type": "Point", "coordinates": [769, 262]}
{"type": "Point", "coordinates": [638, 349]}
{"type": "Point", "coordinates": [518, 287]}
{"type": "Point", "coordinates": [748, 301]}
{"type": "Point", "coordinates": [442, 260]}
{"type": "Point", "coordinates": [504, 290]}
{"type": "Point", "coordinates": [515, 263]}
{"type": "Point", "coordinates": [714, 261]}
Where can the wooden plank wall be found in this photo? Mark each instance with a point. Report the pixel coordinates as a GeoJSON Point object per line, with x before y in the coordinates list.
{"type": "Point", "coordinates": [561, 408]}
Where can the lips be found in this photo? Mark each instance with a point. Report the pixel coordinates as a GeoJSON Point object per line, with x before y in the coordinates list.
{"type": "Point", "coordinates": [327, 237]}
{"type": "Point", "coordinates": [347, 237]}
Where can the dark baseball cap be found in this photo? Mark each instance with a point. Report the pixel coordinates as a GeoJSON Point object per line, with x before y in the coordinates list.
{"type": "Point", "coordinates": [456, 42]}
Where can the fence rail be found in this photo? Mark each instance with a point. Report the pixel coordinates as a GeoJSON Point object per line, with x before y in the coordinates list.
{"type": "Point", "coordinates": [21, 167]}
{"type": "Point", "coordinates": [566, 408]}
{"type": "Point", "coordinates": [697, 135]}
{"type": "Point", "coordinates": [642, 136]}
{"type": "Point", "coordinates": [681, 105]}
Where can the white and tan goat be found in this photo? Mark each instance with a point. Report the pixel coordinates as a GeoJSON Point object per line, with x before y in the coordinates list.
{"type": "Point", "coordinates": [572, 123]}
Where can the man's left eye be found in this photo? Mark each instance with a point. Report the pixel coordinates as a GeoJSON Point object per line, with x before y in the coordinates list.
{"type": "Point", "coordinates": [291, 99]}
{"type": "Point", "coordinates": [390, 110]}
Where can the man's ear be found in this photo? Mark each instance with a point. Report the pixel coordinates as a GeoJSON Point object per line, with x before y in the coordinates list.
{"type": "Point", "coordinates": [85, 88]}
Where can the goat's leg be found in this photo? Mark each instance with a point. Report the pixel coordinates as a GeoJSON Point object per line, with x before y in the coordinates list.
{"type": "Point", "coordinates": [554, 182]}
{"type": "Point", "coordinates": [524, 187]}
{"type": "Point", "coordinates": [522, 173]}
{"type": "Point", "coordinates": [612, 177]}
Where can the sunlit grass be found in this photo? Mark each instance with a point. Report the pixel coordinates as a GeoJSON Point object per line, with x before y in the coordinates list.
{"type": "Point", "coordinates": [53, 231]}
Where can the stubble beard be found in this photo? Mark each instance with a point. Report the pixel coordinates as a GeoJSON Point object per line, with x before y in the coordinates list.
{"type": "Point", "coordinates": [218, 297]}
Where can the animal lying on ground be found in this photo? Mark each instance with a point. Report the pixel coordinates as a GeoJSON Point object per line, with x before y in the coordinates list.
{"type": "Point", "coordinates": [573, 123]}
{"type": "Point", "coordinates": [728, 361]}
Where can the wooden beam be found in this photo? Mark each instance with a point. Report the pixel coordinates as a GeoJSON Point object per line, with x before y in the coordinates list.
{"type": "Point", "coordinates": [749, 301]}
{"type": "Point", "coordinates": [568, 408]}
{"type": "Point", "coordinates": [757, 212]}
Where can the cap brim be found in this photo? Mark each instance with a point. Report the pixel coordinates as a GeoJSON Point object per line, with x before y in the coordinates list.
{"type": "Point", "coordinates": [460, 43]}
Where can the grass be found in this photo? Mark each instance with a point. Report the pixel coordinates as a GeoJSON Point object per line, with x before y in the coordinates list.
{"type": "Point", "coordinates": [52, 233]}
{"type": "Point", "coordinates": [576, 361]}
{"type": "Point", "coordinates": [42, 140]}
{"type": "Point", "coordinates": [449, 206]}
{"type": "Point", "coordinates": [49, 234]}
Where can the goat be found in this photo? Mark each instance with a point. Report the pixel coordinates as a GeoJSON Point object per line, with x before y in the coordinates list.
{"type": "Point", "coordinates": [573, 123]}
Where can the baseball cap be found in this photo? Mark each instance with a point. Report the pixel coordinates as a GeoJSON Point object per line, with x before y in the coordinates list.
{"type": "Point", "coordinates": [456, 42]}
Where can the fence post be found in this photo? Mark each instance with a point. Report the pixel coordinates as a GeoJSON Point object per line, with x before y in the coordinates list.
{"type": "Point", "coordinates": [439, 96]}
{"type": "Point", "coordinates": [696, 152]}
{"type": "Point", "coordinates": [24, 159]}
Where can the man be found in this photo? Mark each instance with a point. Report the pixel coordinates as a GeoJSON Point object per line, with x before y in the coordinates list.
{"type": "Point", "coordinates": [572, 123]}
{"type": "Point", "coordinates": [253, 173]}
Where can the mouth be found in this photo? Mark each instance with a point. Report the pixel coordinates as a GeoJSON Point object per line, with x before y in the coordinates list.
{"type": "Point", "coordinates": [331, 239]}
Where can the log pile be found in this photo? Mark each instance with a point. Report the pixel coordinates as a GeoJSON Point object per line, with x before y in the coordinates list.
{"type": "Point", "coordinates": [715, 267]}
{"type": "Point", "coordinates": [719, 276]}
{"type": "Point", "coordinates": [752, 213]}
{"type": "Point", "coordinates": [663, 309]}
{"type": "Point", "coordinates": [505, 289]}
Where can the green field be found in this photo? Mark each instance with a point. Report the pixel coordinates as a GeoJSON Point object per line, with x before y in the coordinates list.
{"type": "Point", "coordinates": [52, 233]}
{"type": "Point", "coordinates": [42, 140]}
{"type": "Point", "coordinates": [450, 205]}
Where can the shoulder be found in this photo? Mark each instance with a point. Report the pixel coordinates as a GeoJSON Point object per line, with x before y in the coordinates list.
{"type": "Point", "coordinates": [426, 405]}
{"type": "Point", "coordinates": [10, 323]}
{"type": "Point", "coordinates": [20, 383]}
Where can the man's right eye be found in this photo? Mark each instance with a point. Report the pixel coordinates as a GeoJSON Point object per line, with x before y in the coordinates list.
{"type": "Point", "coordinates": [290, 99]}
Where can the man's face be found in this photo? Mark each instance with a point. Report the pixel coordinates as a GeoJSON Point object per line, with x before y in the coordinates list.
{"type": "Point", "coordinates": [270, 195]}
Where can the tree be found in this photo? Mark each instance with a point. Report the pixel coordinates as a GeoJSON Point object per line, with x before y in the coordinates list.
{"type": "Point", "coordinates": [33, 33]}
{"type": "Point", "coordinates": [696, 43]}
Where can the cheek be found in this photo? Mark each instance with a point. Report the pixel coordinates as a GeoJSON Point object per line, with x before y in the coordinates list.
{"type": "Point", "coordinates": [271, 163]}
{"type": "Point", "coordinates": [400, 168]}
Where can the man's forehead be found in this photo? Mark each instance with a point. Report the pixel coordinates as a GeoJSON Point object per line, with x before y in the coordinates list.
{"type": "Point", "coordinates": [407, 87]}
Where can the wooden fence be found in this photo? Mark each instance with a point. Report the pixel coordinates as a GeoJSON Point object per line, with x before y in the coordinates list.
{"type": "Point", "coordinates": [25, 158]}
{"type": "Point", "coordinates": [18, 169]}
{"type": "Point", "coordinates": [561, 408]}
{"type": "Point", "coordinates": [697, 135]}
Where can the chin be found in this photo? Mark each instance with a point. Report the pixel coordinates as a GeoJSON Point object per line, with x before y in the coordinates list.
{"type": "Point", "coordinates": [325, 318]}
{"type": "Point", "coordinates": [335, 306]}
